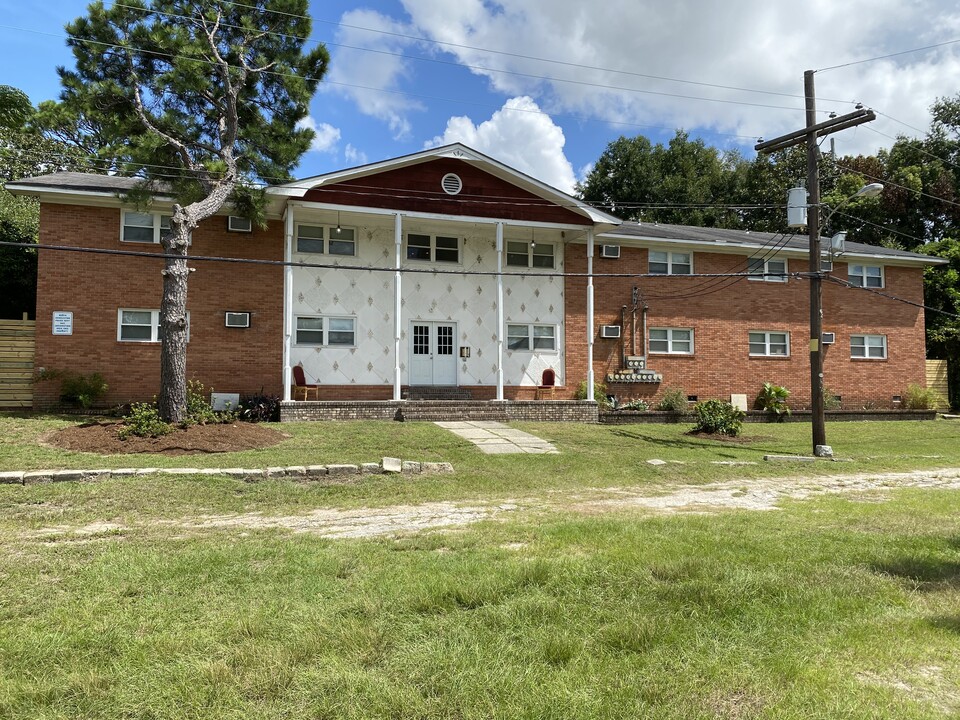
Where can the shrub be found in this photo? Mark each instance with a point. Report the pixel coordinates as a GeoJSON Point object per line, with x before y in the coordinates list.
{"type": "Point", "coordinates": [143, 420]}
{"type": "Point", "coordinates": [260, 408]}
{"type": "Point", "coordinates": [831, 401]}
{"type": "Point", "coordinates": [599, 393]}
{"type": "Point", "coordinates": [773, 399]}
{"type": "Point", "coordinates": [199, 410]}
{"type": "Point", "coordinates": [918, 397]}
{"type": "Point", "coordinates": [718, 417]}
{"type": "Point", "coordinates": [641, 405]}
{"type": "Point", "coordinates": [674, 400]}
{"type": "Point", "coordinates": [82, 391]}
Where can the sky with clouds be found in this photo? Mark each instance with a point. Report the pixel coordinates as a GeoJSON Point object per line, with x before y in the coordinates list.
{"type": "Point", "coordinates": [544, 85]}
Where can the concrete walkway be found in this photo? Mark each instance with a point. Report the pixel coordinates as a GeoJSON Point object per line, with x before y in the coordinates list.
{"type": "Point", "coordinates": [495, 438]}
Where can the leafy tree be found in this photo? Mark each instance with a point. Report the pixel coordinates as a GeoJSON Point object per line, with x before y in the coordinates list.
{"type": "Point", "coordinates": [204, 97]}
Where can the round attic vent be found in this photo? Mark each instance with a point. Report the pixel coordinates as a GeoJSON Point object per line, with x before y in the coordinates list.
{"type": "Point", "coordinates": [451, 184]}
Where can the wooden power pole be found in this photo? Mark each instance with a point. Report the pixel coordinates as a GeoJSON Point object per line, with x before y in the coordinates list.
{"type": "Point", "coordinates": [809, 135]}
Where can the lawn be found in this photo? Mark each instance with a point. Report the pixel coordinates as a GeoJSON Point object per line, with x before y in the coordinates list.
{"type": "Point", "coordinates": [839, 606]}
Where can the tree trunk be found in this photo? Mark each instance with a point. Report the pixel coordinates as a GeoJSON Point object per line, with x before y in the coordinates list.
{"type": "Point", "coordinates": [172, 401]}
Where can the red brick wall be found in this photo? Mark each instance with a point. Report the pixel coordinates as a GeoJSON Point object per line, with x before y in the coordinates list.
{"type": "Point", "coordinates": [93, 287]}
{"type": "Point", "coordinates": [417, 188]}
{"type": "Point", "coordinates": [723, 312]}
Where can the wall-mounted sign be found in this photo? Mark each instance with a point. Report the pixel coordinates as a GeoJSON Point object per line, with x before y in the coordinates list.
{"type": "Point", "coordinates": [62, 322]}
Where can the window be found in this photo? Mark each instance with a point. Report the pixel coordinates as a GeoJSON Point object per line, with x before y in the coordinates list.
{"type": "Point", "coordinates": [236, 223]}
{"type": "Point", "coordinates": [770, 344]}
{"type": "Point", "coordinates": [326, 240]}
{"type": "Point", "coordinates": [531, 337]}
{"type": "Point", "coordinates": [674, 341]}
{"type": "Point", "coordinates": [318, 330]}
{"type": "Point", "coordinates": [868, 276]}
{"type": "Point", "coordinates": [524, 254]}
{"type": "Point", "coordinates": [670, 263]}
{"type": "Point", "coordinates": [143, 227]}
{"type": "Point", "coordinates": [767, 270]}
{"type": "Point", "coordinates": [436, 248]}
{"type": "Point", "coordinates": [136, 325]}
{"type": "Point", "coordinates": [871, 347]}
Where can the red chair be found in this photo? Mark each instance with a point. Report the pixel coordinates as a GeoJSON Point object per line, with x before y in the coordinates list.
{"type": "Point", "coordinates": [301, 387]}
{"type": "Point", "coordinates": [547, 383]}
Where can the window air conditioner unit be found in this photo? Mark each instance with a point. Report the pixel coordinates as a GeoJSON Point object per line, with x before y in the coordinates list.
{"type": "Point", "coordinates": [237, 319]}
{"type": "Point", "coordinates": [828, 338]}
{"type": "Point", "coordinates": [610, 251]}
{"type": "Point", "coordinates": [610, 331]}
{"type": "Point", "coordinates": [239, 224]}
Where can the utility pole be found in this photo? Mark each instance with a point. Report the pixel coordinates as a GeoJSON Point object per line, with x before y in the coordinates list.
{"type": "Point", "coordinates": [809, 135]}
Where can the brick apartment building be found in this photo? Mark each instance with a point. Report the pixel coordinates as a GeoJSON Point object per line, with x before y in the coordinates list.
{"type": "Point", "coordinates": [447, 269]}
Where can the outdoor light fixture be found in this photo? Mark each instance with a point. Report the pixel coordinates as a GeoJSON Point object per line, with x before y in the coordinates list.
{"type": "Point", "coordinates": [338, 221]}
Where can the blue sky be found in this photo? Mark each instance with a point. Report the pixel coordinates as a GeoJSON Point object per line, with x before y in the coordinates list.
{"type": "Point", "coordinates": [544, 85]}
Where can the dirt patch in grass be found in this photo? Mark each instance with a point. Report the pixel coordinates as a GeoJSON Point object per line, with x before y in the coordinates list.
{"type": "Point", "coordinates": [102, 438]}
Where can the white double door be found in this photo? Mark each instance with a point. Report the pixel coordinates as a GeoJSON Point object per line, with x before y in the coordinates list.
{"type": "Point", "coordinates": [433, 353]}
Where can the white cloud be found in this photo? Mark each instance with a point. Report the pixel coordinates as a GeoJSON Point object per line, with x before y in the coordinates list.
{"type": "Point", "coordinates": [749, 44]}
{"type": "Point", "coordinates": [368, 75]}
{"type": "Point", "coordinates": [518, 135]}
{"type": "Point", "coordinates": [353, 156]}
{"type": "Point", "coordinates": [326, 136]}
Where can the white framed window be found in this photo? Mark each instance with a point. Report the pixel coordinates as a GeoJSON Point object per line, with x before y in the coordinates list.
{"type": "Point", "coordinates": [433, 248]}
{"type": "Point", "coordinates": [141, 325]}
{"type": "Point", "coordinates": [236, 223]}
{"type": "Point", "coordinates": [531, 337]}
{"type": "Point", "coordinates": [868, 276]}
{"type": "Point", "coordinates": [137, 227]}
{"type": "Point", "coordinates": [525, 254]}
{"type": "Point", "coordinates": [769, 344]}
{"type": "Point", "coordinates": [671, 341]}
{"type": "Point", "coordinates": [323, 330]}
{"type": "Point", "coordinates": [670, 263]}
{"type": "Point", "coordinates": [326, 240]}
{"type": "Point", "coordinates": [870, 347]}
{"type": "Point", "coordinates": [767, 270]}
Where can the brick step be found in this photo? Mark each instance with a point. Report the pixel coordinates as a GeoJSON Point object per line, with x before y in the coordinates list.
{"type": "Point", "coordinates": [437, 392]}
{"type": "Point", "coordinates": [432, 411]}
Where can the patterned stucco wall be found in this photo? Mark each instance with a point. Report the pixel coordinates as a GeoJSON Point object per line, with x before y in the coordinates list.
{"type": "Point", "coordinates": [470, 301]}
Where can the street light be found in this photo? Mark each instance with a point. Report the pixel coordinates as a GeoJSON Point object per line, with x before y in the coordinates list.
{"type": "Point", "coordinates": [820, 447]}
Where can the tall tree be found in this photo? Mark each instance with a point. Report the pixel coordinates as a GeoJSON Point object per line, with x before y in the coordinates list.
{"type": "Point", "coordinates": [205, 98]}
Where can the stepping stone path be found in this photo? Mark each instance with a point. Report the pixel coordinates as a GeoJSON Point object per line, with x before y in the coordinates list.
{"type": "Point", "coordinates": [495, 438]}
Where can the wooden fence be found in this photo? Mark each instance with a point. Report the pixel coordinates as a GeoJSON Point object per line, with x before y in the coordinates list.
{"type": "Point", "coordinates": [937, 378]}
{"type": "Point", "coordinates": [16, 363]}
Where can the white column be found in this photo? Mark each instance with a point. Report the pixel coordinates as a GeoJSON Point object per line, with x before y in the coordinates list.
{"type": "Point", "coordinates": [500, 311]}
{"type": "Point", "coordinates": [287, 302]}
{"type": "Point", "coordinates": [397, 303]}
{"type": "Point", "coordinates": [590, 314]}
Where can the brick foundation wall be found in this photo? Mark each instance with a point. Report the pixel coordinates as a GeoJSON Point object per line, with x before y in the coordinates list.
{"type": "Point", "coordinates": [93, 287]}
{"type": "Point", "coordinates": [722, 312]}
{"type": "Point", "coordinates": [548, 411]}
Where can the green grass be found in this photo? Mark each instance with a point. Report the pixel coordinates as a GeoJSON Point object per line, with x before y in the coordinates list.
{"type": "Point", "coordinates": [826, 609]}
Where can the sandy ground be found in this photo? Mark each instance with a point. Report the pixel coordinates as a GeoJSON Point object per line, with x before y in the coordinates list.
{"type": "Point", "coordinates": [757, 494]}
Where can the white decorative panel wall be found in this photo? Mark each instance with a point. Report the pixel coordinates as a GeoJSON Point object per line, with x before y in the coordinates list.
{"type": "Point", "coordinates": [429, 293]}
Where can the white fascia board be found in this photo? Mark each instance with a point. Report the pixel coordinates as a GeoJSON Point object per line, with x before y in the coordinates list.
{"type": "Point", "coordinates": [433, 216]}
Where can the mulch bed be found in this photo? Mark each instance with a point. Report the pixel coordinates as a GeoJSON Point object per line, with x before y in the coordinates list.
{"type": "Point", "coordinates": [195, 440]}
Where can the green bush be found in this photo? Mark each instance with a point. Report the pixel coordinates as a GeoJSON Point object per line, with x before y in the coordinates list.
{"type": "Point", "coordinates": [599, 393]}
{"type": "Point", "coordinates": [918, 397]}
{"type": "Point", "coordinates": [199, 409]}
{"type": "Point", "coordinates": [641, 405]}
{"type": "Point", "coordinates": [773, 399]}
{"type": "Point", "coordinates": [143, 420]}
{"type": "Point", "coordinates": [82, 391]}
{"type": "Point", "coordinates": [718, 417]}
{"type": "Point", "coordinates": [674, 400]}
{"type": "Point", "coordinates": [831, 401]}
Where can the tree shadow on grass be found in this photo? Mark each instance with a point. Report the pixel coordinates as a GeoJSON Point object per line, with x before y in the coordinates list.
{"type": "Point", "coordinates": [924, 574]}
{"type": "Point", "coordinates": [691, 442]}
{"type": "Point", "coordinates": [951, 623]}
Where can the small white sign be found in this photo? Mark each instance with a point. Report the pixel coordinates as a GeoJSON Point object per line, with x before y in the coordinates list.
{"type": "Point", "coordinates": [62, 323]}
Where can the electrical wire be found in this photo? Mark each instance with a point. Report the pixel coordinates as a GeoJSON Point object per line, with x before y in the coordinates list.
{"type": "Point", "coordinates": [887, 181]}
{"type": "Point", "coordinates": [889, 296]}
{"type": "Point", "coordinates": [890, 55]}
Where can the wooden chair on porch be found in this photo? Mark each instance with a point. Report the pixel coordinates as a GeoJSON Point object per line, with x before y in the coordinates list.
{"type": "Point", "coordinates": [547, 385]}
{"type": "Point", "coordinates": [301, 390]}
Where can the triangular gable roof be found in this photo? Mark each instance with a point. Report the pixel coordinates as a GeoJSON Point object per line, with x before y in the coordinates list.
{"type": "Point", "coordinates": [457, 151]}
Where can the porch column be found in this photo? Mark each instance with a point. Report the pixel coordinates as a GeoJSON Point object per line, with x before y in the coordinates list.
{"type": "Point", "coordinates": [590, 314]}
{"type": "Point", "coordinates": [500, 312]}
{"type": "Point", "coordinates": [287, 301]}
{"type": "Point", "coordinates": [397, 302]}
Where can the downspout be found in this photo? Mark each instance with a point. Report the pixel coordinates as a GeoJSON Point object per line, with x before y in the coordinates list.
{"type": "Point", "coordinates": [645, 335]}
{"type": "Point", "coordinates": [397, 302]}
{"type": "Point", "coordinates": [499, 312]}
{"type": "Point", "coordinates": [590, 382]}
{"type": "Point", "coordinates": [287, 302]}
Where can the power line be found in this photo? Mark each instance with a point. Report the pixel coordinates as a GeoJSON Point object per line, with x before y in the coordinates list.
{"type": "Point", "coordinates": [918, 149]}
{"type": "Point", "coordinates": [890, 55]}
{"type": "Point", "coordinates": [843, 283]}
{"type": "Point", "coordinates": [887, 181]}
